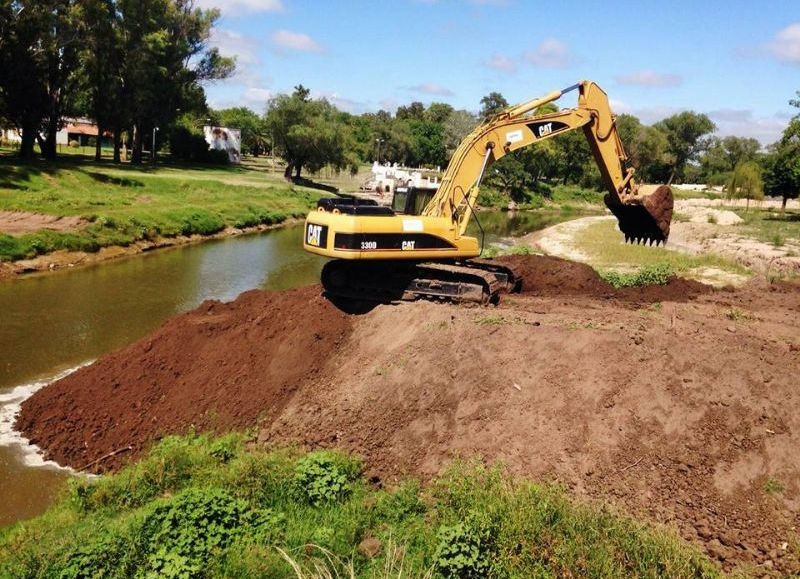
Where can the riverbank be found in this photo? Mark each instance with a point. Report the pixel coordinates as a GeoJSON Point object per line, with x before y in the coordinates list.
{"type": "Point", "coordinates": [226, 507]}
{"type": "Point", "coordinates": [62, 259]}
{"type": "Point", "coordinates": [76, 207]}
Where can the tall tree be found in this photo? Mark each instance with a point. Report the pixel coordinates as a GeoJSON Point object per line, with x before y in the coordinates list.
{"type": "Point", "coordinates": [684, 132]}
{"type": "Point", "coordinates": [308, 133]}
{"type": "Point", "coordinates": [492, 103]}
{"type": "Point", "coordinates": [38, 58]}
{"type": "Point", "coordinates": [166, 57]}
{"type": "Point", "coordinates": [746, 182]}
{"type": "Point", "coordinates": [782, 174]}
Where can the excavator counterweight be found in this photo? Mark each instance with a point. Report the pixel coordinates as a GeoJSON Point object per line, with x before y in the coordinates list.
{"type": "Point", "coordinates": [382, 254]}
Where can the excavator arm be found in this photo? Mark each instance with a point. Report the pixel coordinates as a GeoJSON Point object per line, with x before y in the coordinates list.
{"type": "Point", "coordinates": [644, 215]}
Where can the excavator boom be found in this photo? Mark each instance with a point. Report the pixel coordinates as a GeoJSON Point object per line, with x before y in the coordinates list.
{"type": "Point", "coordinates": [382, 251]}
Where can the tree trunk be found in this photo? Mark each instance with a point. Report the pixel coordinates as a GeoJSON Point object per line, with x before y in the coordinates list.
{"type": "Point", "coordinates": [287, 173]}
{"type": "Point", "coordinates": [783, 205]}
{"type": "Point", "coordinates": [98, 146]}
{"type": "Point", "coordinates": [671, 176]}
{"type": "Point", "coordinates": [136, 153]}
{"type": "Point", "coordinates": [28, 139]}
{"type": "Point", "coordinates": [117, 144]}
{"type": "Point", "coordinates": [49, 151]}
{"type": "Point", "coordinates": [299, 167]}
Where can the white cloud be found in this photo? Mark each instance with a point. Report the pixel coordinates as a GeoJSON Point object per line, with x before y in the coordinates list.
{"type": "Point", "coordinates": [342, 103]}
{"type": "Point", "coordinates": [786, 44]}
{"type": "Point", "coordinates": [502, 63]}
{"type": "Point", "coordinates": [241, 6]}
{"type": "Point", "coordinates": [256, 98]}
{"type": "Point", "coordinates": [231, 43]}
{"type": "Point", "coordinates": [431, 88]}
{"type": "Point", "coordinates": [744, 123]}
{"type": "Point", "coordinates": [551, 53]}
{"type": "Point", "coordinates": [287, 40]}
{"type": "Point", "coordinates": [649, 78]}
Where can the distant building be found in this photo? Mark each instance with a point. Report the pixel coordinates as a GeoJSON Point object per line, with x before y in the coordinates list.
{"type": "Point", "coordinates": [78, 130]}
{"type": "Point", "coordinates": [385, 178]}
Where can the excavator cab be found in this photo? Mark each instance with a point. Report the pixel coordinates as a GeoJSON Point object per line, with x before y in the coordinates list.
{"type": "Point", "coordinates": [411, 200]}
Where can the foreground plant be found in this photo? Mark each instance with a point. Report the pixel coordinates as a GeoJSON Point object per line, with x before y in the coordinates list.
{"type": "Point", "coordinates": [201, 507]}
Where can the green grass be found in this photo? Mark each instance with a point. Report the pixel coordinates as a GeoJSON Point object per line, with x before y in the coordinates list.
{"type": "Point", "coordinates": [606, 251]}
{"type": "Point", "coordinates": [544, 196]}
{"type": "Point", "coordinates": [653, 274]}
{"type": "Point", "coordinates": [123, 204]}
{"type": "Point", "coordinates": [204, 507]}
{"type": "Point", "coordinates": [768, 225]}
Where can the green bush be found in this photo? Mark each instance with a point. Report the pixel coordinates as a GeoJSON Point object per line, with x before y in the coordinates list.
{"type": "Point", "coordinates": [322, 477]}
{"type": "Point", "coordinates": [184, 532]}
{"type": "Point", "coordinates": [656, 274]}
{"type": "Point", "coordinates": [463, 552]}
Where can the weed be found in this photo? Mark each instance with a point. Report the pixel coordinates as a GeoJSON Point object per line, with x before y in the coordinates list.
{"type": "Point", "coordinates": [773, 486]}
{"type": "Point", "coordinates": [737, 315]}
{"type": "Point", "coordinates": [491, 320]}
{"type": "Point", "coordinates": [322, 477]}
{"type": "Point", "coordinates": [777, 240]}
{"type": "Point", "coordinates": [712, 218]}
{"type": "Point", "coordinates": [655, 274]}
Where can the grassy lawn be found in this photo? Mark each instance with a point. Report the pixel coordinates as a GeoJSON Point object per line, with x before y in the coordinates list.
{"type": "Point", "coordinates": [768, 225]}
{"type": "Point", "coordinates": [223, 508]}
{"type": "Point", "coordinates": [602, 243]}
{"type": "Point", "coordinates": [122, 204]}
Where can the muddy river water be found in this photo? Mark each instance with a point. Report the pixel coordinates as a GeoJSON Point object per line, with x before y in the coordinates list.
{"type": "Point", "coordinates": [52, 323]}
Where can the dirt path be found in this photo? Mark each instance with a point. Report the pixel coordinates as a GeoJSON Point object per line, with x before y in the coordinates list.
{"type": "Point", "coordinates": [22, 222]}
{"type": "Point", "coordinates": [678, 402]}
{"type": "Point", "coordinates": [695, 236]}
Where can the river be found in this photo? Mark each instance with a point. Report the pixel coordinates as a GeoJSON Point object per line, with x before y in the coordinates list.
{"type": "Point", "coordinates": [51, 323]}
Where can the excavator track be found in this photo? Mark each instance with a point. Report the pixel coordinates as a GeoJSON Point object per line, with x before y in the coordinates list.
{"type": "Point", "coordinates": [392, 281]}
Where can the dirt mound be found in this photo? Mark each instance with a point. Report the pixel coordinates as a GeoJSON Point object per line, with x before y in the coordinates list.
{"type": "Point", "coordinates": [683, 411]}
{"type": "Point", "coordinates": [220, 367]}
{"type": "Point", "coordinates": [552, 276]}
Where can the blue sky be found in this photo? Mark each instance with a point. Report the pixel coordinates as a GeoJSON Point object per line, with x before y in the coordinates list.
{"type": "Point", "coordinates": [736, 60]}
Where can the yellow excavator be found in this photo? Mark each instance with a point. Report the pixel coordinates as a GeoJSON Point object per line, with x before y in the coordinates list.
{"type": "Point", "coordinates": [419, 248]}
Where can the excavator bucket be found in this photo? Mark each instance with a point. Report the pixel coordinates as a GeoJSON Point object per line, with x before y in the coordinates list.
{"type": "Point", "coordinates": [646, 218]}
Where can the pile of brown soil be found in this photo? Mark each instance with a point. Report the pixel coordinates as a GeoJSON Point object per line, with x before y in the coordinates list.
{"type": "Point", "coordinates": [678, 403]}
{"type": "Point", "coordinates": [222, 366]}
{"type": "Point", "coordinates": [553, 276]}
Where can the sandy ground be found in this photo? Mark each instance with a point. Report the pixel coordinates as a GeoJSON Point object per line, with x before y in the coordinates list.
{"type": "Point", "coordinates": [695, 237]}
{"type": "Point", "coordinates": [676, 403]}
{"type": "Point", "coordinates": [22, 222]}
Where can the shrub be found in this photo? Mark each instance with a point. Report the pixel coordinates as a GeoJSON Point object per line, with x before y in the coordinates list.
{"type": "Point", "coordinates": [463, 552]}
{"type": "Point", "coordinates": [656, 274]}
{"type": "Point", "coordinates": [322, 477]}
{"type": "Point", "coordinates": [184, 532]}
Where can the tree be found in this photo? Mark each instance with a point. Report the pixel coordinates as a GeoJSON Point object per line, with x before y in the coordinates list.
{"type": "Point", "coordinates": [746, 182]}
{"type": "Point", "coordinates": [166, 58]}
{"type": "Point", "coordinates": [684, 132]}
{"type": "Point", "coordinates": [457, 126]}
{"type": "Point", "coordinates": [415, 111]}
{"type": "Point", "coordinates": [782, 171]}
{"type": "Point", "coordinates": [309, 134]}
{"type": "Point", "coordinates": [37, 64]}
{"type": "Point", "coordinates": [438, 113]}
{"type": "Point", "coordinates": [491, 104]}
{"type": "Point", "coordinates": [429, 148]}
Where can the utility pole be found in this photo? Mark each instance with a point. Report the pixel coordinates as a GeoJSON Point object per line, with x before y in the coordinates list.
{"type": "Point", "coordinates": [379, 141]}
{"type": "Point", "coordinates": [153, 151]}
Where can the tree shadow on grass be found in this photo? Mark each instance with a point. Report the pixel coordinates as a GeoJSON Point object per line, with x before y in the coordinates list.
{"type": "Point", "coordinates": [112, 180]}
{"type": "Point", "coordinates": [786, 217]}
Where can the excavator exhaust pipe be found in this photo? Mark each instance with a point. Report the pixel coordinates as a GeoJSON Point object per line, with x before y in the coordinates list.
{"type": "Point", "coordinates": [646, 217]}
